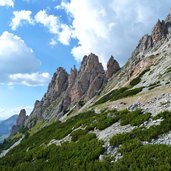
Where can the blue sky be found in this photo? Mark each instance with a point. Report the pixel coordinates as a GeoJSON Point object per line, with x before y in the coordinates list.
{"type": "Point", "coordinates": [38, 36]}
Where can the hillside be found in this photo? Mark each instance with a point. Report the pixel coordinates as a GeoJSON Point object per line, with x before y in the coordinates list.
{"type": "Point", "coordinates": [92, 119]}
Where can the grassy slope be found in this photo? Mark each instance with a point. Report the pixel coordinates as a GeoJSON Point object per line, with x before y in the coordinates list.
{"type": "Point", "coordinates": [83, 151]}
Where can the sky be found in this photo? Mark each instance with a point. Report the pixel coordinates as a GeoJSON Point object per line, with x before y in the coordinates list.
{"type": "Point", "coordinates": [37, 37]}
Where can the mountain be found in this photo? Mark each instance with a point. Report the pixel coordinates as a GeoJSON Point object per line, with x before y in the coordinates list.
{"type": "Point", "coordinates": [92, 119]}
{"type": "Point", "coordinates": [70, 91]}
{"type": "Point", "coordinates": [5, 127]}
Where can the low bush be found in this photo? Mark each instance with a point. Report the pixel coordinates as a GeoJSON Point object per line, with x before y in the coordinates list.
{"type": "Point", "coordinates": [77, 134]}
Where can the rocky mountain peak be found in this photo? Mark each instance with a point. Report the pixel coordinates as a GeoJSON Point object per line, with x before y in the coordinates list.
{"type": "Point", "coordinates": [112, 67]}
{"type": "Point", "coordinates": [159, 31]}
{"type": "Point", "coordinates": [90, 63]}
{"type": "Point", "coordinates": [168, 18]}
{"type": "Point", "coordinates": [72, 76]}
{"type": "Point", "coordinates": [22, 117]}
{"type": "Point", "coordinates": [90, 78]}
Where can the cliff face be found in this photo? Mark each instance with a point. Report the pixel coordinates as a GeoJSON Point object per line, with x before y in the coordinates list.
{"type": "Point", "coordinates": [66, 90]}
{"type": "Point", "coordinates": [112, 67]}
{"type": "Point", "coordinates": [22, 117]}
{"type": "Point", "coordinates": [90, 79]}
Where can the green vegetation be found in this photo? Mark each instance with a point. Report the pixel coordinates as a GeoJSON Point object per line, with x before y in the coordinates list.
{"type": "Point", "coordinates": [79, 155]}
{"type": "Point", "coordinates": [168, 70]}
{"type": "Point", "coordinates": [119, 94]}
{"type": "Point", "coordinates": [137, 80]}
{"type": "Point", "coordinates": [146, 158]}
{"type": "Point", "coordinates": [124, 91]}
{"type": "Point", "coordinates": [81, 103]}
{"type": "Point", "coordinates": [82, 153]}
{"type": "Point", "coordinates": [77, 134]}
{"type": "Point", "coordinates": [145, 134]}
{"type": "Point", "coordinates": [154, 85]}
{"type": "Point", "coordinates": [129, 146]}
{"type": "Point", "coordinates": [37, 127]}
{"type": "Point", "coordinates": [8, 143]}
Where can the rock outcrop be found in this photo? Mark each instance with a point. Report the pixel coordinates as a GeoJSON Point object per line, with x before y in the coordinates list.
{"type": "Point", "coordinates": [67, 90]}
{"type": "Point", "coordinates": [90, 79]}
{"type": "Point", "coordinates": [56, 88]}
{"type": "Point", "coordinates": [148, 43]}
{"type": "Point", "coordinates": [22, 117]}
{"type": "Point", "coordinates": [112, 67]}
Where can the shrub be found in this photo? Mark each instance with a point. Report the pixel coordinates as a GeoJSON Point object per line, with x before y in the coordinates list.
{"type": "Point", "coordinates": [135, 81]}
{"type": "Point", "coordinates": [77, 134]}
{"type": "Point", "coordinates": [120, 138]}
{"type": "Point", "coordinates": [129, 146]}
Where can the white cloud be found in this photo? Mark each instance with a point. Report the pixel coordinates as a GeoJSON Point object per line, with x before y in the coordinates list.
{"type": "Point", "coordinates": [49, 21]}
{"type": "Point", "coordinates": [21, 17]}
{"type": "Point", "coordinates": [65, 35]}
{"type": "Point", "coordinates": [112, 27]}
{"type": "Point", "coordinates": [8, 112]}
{"type": "Point", "coordinates": [61, 32]}
{"type": "Point", "coordinates": [53, 42]}
{"type": "Point", "coordinates": [9, 3]}
{"type": "Point", "coordinates": [19, 63]}
{"type": "Point", "coordinates": [33, 79]}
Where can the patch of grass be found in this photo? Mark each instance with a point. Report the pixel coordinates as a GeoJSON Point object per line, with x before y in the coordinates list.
{"type": "Point", "coordinates": [111, 94]}
{"type": "Point", "coordinates": [8, 143]}
{"type": "Point", "coordinates": [168, 70]}
{"type": "Point", "coordinates": [137, 80]}
{"type": "Point", "coordinates": [37, 127]}
{"type": "Point", "coordinates": [154, 85]}
{"type": "Point", "coordinates": [119, 94]}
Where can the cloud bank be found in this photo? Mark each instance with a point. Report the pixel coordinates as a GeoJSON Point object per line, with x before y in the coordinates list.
{"type": "Point", "coordinates": [111, 27]}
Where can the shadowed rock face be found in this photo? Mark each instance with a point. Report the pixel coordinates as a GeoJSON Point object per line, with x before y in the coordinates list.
{"type": "Point", "coordinates": [57, 86]}
{"type": "Point", "coordinates": [90, 79]}
{"type": "Point", "coordinates": [112, 67]}
{"type": "Point", "coordinates": [22, 117]}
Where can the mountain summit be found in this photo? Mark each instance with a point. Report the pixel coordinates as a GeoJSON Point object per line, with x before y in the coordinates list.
{"type": "Point", "coordinates": [67, 90]}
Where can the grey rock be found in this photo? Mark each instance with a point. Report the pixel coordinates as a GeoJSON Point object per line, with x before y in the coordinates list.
{"type": "Point", "coordinates": [90, 79]}
{"type": "Point", "coordinates": [22, 117]}
{"type": "Point", "coordinates": [112, 67]}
